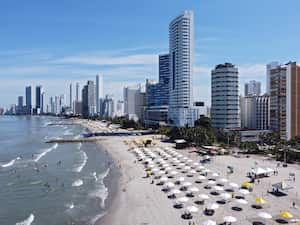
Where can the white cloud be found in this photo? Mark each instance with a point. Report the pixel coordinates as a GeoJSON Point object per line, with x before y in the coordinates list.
{"type": "Point", "coordinates": [138, 59]}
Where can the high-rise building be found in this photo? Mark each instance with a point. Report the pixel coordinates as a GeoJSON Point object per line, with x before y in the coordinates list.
{"type": "Point", "coordinates": [252, 88]}
{"type": "Point", "coordinates": [285, 99]}
{"type": "Point", "coordinates": [270, 66]}
{"type": "Point", "coordinates": [120, 108]}
{"type": "Point", "coordinates": [38, 95]}
{"type": "Point", "coordinates": [134, 102]}
{"type": "Point", "coordinates": [181, 41]}
{"type": "Point", "coordinates": [108, 107]}
{"type": "Point", "coordinates": [88, 99]}
{"type": "Point", "coordinates": [70, 96]}
{"type": "Point", "coordinates": [20, 105]}
{"type": "Point", "coordinates": [99, 91]}
{"type": "Point", "coordinates": [255, 112]}
{"type": "Point", "coordinates": [225, 97]}
{"type": "Point", "coordinates": [28, 99]}
{"type": "Point", "coordinates": [77, 92]}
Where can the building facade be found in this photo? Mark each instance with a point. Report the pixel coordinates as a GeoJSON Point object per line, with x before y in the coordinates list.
{"type": "Point", "coordinates": [285, 99]}
{"type": "Point", "coordinates": [225, 97]}
{"type": "Point", "coordinates": [38, 99]}
{"type": "Point", "coordinates": [255, 112]}
{"type": "Point", "coordinates": [181, 41]}
{"type": "Point", "coordinates": [252, 88]}
{"type": "Point", "coordinates": [88, 99]}
{"type": "Point", "coordinates": [134, 102]}
{"type": "Point", "coordinates": [28, 97]}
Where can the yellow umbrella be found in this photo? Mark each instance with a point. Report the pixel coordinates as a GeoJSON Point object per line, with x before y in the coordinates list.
{"type": "Point", "coordinates": [246, 184]}
{"type": "Point", "coordinates": [298, 223]}
{"type": "Point", "coordinates": [285, 214]}
{"type": "Point", "coordinates": [260, 200]}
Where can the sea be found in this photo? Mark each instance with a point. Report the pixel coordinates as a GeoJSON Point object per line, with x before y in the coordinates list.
{"type": "Point", "coordinates": [50, 183]}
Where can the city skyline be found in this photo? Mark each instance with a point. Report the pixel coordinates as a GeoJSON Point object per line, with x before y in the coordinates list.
{"type": "Point", "coordinates": [54, 62]}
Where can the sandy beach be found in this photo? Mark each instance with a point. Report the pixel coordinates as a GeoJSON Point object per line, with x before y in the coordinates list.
{"type": "Point", "coordinates": [136, 201]}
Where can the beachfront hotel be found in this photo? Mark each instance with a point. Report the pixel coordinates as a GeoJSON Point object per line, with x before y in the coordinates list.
{"type": "Point", "coordinates": [225, 97]}
{"type": "Point", "coordinates": [181, 42]}
{"type": "Point", "coordinates": [285, 100]}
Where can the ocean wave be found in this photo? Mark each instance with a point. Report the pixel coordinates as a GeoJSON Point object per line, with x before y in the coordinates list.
{"type": "Point", "coordinates": [79, 145]}
{"type": "Point", "coordinates": [83, 162]}
{"type": "Point", "coordinates": [68, 133]}
{"type": "Point", "coordinates": [36, 182]}
{"type": "Point", "coordinates": [96, 218]}
{"type": "Point", "coordinates": [70, 205]}
{"type": "Point", "coordinates": [45, 152]}
{"type": "Point", "coordinates": [78, 136]}
{"type": "Point", "coordinates": [77, 183]}
{"type": "Point", "coordinates": [101, 191]}
{"type": "Point", "coordinates": [94, 174]}
{"type": "Point", "coordinates": [27, 221]}
{"type": "Point", "coordinates": [10, 163]}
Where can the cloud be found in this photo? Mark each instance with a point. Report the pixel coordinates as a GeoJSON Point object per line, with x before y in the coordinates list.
{"type": "Point", "coordinates": [138, 59]}
{"type": "Point", "coordinates": [252, 71]}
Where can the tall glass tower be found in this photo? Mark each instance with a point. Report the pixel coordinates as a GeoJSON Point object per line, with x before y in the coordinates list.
{"type": "Point", "coordinates": [181, 40]}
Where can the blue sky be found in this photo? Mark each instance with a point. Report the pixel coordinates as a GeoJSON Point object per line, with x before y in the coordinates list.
{"type": "Point", "coordinates": [57, 42]}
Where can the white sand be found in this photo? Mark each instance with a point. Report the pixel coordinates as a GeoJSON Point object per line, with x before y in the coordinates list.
{"type": "Point", "coordinates": [139, 202]}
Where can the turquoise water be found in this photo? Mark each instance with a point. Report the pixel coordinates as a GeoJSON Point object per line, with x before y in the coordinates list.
{"type": "Point", "coordinates": [51, 184]}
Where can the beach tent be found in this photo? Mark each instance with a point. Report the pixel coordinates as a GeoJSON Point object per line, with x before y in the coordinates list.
{"type": "Point", "coordinates": [209, 222]}
{"type": "Point", "coordinates": [258, 171]}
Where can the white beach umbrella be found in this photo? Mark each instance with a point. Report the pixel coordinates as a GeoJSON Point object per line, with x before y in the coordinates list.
{"type": "Point", "coordinates": [213, 206]}
{"type": "Point", "coordinates": [182, 199]}
{"type": "Point", "coordinates": [169, 184]}
{"type": "Point", "coordinates": [192, 209]}
{"type": "Point", "coordinates": [215, 175]}
{"type": "Point", "coordinates": [161, 172]}
{"type": "Point", "coordinates": [155, 169]}
{"type": "Point", "coordinates": [187, 168]}
{"type": "Point", "coordinates": [209, 222]}
{"type": "Point", "coordinates": [193, 189]}
{"type": "Point", "coordinates": [229, 219]}
{"type": "Point", "coordinates": [181, 164]}
{"type": "Point", "coordinates": [211, 182]}
{"type": "Point", "coordinates": [206, 171]}
{"type": "Point", "coordinates": [201, 178]}
{"type": "Point", "coordinates": [206, 157]}
{"type": "Point", "coordinates": [225, 196]}
{"type": "Point", "coordinates": [244, 191]}
{"type": "Point", "coordinates": [180, 179]}
{"type": "Point", "coordinates": [241, 201]}
{"type": "Point", "coordinates": [223, 180]}
{"type": "Point", "coordinates": [175, 191]}
{"type": "Point", "coordinates": [168, 168]}
{"type": "Point", "coordinates": [151, 165]}
{"type": "Point", "coordinates": [203, 196]}
{"type": "Point", "coordinates": [173, 172]}
{"type": "Point", "coordinates": [195, 164]}
{"type": "Point", "coordinates": [164, 179]}
{"type": "Point", "coordinates": [218, 188]}
{"type": "Point", "coordinates": [187, 184]}
{"type": "Point", "coordinates": [189, 161]}
{"type": "Point", "coordinates": [234, 185]}
{"type": "Point", "coordinates": [192, 171]}
{"type": "Point", "coordinates": [264, 215]}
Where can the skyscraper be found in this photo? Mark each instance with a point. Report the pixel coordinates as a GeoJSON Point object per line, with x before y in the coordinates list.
{"type": "Point", "coordinates": [225, 97]}
{"type": "Point", "coordinates": [88, 99]}
{"type": "Point", "coordinates": [285, 99]}
{"type": "Point", "coordinates": [270, 66]}
{"type": "Point", "coordinates": [99, 91]}
{"type": "Point", "coordinates": [28, 99]}
{"type": "Point", "coordinates": [77, 92]}
{"type": "Point", "coordinates": [252, 88]}
{"type": "Point", "coordinates": [70, 97]}
{"type": "Point", "coordinates": [181, 40]}
{"type": "Point", "coordinates": [134, 102]}
{"type": "Point", "coordinates": [38, 95]}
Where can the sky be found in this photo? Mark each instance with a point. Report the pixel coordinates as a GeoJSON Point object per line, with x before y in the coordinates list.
{"type": "Point", "coordinates": [58, 42]}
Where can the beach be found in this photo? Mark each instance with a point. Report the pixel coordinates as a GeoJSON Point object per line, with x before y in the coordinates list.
{"type": "Point", "coordinates": [137, 201]}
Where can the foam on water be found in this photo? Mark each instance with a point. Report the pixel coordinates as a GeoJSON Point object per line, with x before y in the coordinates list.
{"type": "Point", "coordinates": [68, 133]}
{"type": "Point", "coordinates": [83, 162]}
{"type": "Point", "coordinates": [96, 218]}
{"type": "Point", "coordinates": [77, 183]}
{"type": "Point", "coordinates": [27, 221]}
{"type": "Point", "coordinates": [101, 190]}
{"type": "Point", "coordinates": [70, 205]}
{"type": "Point", "coordinates": [94, 174]}
{"type": "Point", "coordinates": [45, 152]}
{"type": "Point", "coordinates": [10, 163]}
{"type": "Point", "coordinates": [79, 145]}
